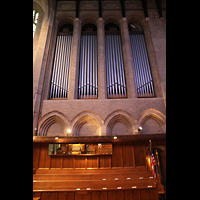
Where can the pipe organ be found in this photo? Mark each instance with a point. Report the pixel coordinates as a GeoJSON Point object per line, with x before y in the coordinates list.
{"type": "Point", "coordinates": [88, 77]}
{"type": "Point", "coordinates": [142, 71]}
{"type": "Point", "coordinates": [60, 74]}
{"type": "Point", "coordinates": [116, 83]}
{"type": "Point", "coordinates": [88, 65]}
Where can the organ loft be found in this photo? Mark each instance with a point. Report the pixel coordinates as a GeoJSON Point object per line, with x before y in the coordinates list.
{"type": "Point", "coordinates": [99, 99]}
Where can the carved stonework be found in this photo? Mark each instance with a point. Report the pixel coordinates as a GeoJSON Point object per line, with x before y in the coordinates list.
{"type": "Point", "coordinates": [89, 5]}
{"type": "Point", "coordinates": [153, 14]}
{"type": "Point", "coordinates": [69, 5]}
{"type": "Point", "coordinates": [133, 5]}
{"type": "Point", "coordinates": [113, 5]}
{"type": "Point", "coordinates": [151, 4]}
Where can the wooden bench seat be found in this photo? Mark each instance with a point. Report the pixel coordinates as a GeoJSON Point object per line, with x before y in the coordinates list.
{"type": "Point", "coordinates": [91, 171]}
{"type": "Point", "coordinates": [94, 185]}
{"type": "Point", "coordinates": [71, 179]}
{"type": "Point", "coordinates": [89, 176]}
{"type": "Point", "coordinates": [116, 194]}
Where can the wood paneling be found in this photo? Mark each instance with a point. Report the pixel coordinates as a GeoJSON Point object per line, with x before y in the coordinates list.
{"type": "Point", "coordinates": [117, 158]}
{"type": "Point", "coordinates": [68, 162]}
{"type": "Point", "coordinates": [92, 161]}
{"type": "Point", "coordinates": [123, 156]}
{"type": "Point", "coordinates": [80, 162]}
{"type": "Point", "coordinates": [56, 161]}
{"type": "Point", "coordinates": [128, 155]}
{"type": "Point", "coordinates": [105, 161]}
{"type": "Point", "coordinates": [140, 155]}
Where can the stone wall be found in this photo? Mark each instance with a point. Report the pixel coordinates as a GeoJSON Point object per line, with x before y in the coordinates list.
{"type": "Point", "coordinates": [100, 116]}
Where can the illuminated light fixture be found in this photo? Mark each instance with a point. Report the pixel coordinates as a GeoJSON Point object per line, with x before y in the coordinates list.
{"type": "Point", "coordinates": [128, 178]}
{"type": "Point", "coordinates": [115, 137]}
{"type": "Point", "coordinates": [104, 179]}
{"type": "Point", "coordinates": [56, 137]}
{"type": "Point", "coordinates": [141, 178]}
{"type": "Point", "coordinates": [139, 128]}
{"type": "Point", "coordinates": [151, 177]}
{"type": "Point", "coordinates": [150, 186]}
{"type": "Point", "coordinates": [78, 188]}
{"type": "Point", "coordinates": [133, 186]}
{"type": "Point", "coordinates": [69, 130]}
{"type": "Point", "coordinates": [104, 188]}
{"type": "Point", "coordinates": [88, 188]}
{"type": "Point", "coordinates": [116, 179]}
{"type": "Point", "coordinates": [119, 187]}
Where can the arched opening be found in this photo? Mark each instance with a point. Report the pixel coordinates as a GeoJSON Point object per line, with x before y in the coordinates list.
{"type": "Point", "coordinates": [88, 69]}
{"type": "Point", "coordinates": [87, 126]}
{"type": "Point", "coordinates": [119, 125]}
{"type": "Point", "coordinates": [61, 66]}
{"type": "Point", "coordinates": [116, 81]}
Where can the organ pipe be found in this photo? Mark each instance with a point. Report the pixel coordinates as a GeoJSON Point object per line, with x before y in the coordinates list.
{"type": "Point", "coordinates": [142, 71]}
{"type": "Point", "coordinates": [88, 87]}
{"type": "Point", "coordinates": [116, 84]}
{"type": "Point", "coordinates": [60, 73]}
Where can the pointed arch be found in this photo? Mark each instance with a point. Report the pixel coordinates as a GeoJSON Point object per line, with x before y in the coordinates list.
{"type": "Point", "coordinates": [120, 116]}
{"type": "Point", "coordinates": [49, 119]}
{"type": "Point", "coordinates": [154, 114]}
{"type": "Point", "coordinates": [86, 117]}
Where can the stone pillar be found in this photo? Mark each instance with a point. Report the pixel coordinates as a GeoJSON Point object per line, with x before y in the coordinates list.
{"type": "Point", "coordinates": [74, 62]}
{"type": "Point", "coordinates": [158, 40]}
{"type": "Point", "coordinates": [39, 66]}
{"type": "Point", "coordinates": [128, 61]}
{"type": "Point", "coordinates": [102, 91]}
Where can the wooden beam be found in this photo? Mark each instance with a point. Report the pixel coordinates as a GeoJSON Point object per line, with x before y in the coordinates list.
{"type": "Point", "coordinates": [158, 138]}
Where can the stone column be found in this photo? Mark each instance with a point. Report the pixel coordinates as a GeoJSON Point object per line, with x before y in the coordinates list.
{"type": "Point", "coordinates": [102, 92]}
{"type": "Point", "coordinates": [39, 66]}
{"type": "Point", "coordinates": [74, 62]}
{"type": "Point", "coordinates": [128, 61]}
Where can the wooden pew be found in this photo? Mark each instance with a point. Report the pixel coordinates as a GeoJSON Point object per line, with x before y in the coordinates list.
{"type": "Point", "coordinates": [94, 171]}
{"type": "Point", "coordinates": [120, 194]}
{"type": "Point", "coordinates": [85, 178]}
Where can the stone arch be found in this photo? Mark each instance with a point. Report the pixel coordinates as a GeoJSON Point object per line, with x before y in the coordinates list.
{"type": "Point", "coordinates": [136, 19]}
{"type": "Point", "coordinates": [86, 117]}
{"type": "Point", "coordinates": [155, 115]}
{"type": "Point", "coordinates": [51, 118]}
{"type": "Point", "coordinates": [112, 17]}
{"type": "Point", "coordinates": [120, 116]}
{"type": "Point", "coordinates": [64, 18]}
{"type": "Point", "coordinates": [88, 19]}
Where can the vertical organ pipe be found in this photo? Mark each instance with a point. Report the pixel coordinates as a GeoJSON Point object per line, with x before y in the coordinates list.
{"type": "Point", "coordinates": [88, 66]}
{"type": "Point", "coordinates": [53, 73]}
{"type": "Point", "coordinates": [60, 73]}
{"type": "Point", "coordinates": [96, 67]}
{"type": "Point", "coordinates": [143, 79]}
{"type": "Point", "coordinates": [116, 85]}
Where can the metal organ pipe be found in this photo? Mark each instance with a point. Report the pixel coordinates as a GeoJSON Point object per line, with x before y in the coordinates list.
{"type": "Point", "coordinates": [116, 84]}
{"type": "Point", "coordinates": [60, 73]}
{"type": "Point", "coordinates": [88, 67]}
{"type": "Point", "coordinates": [143, 78]}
